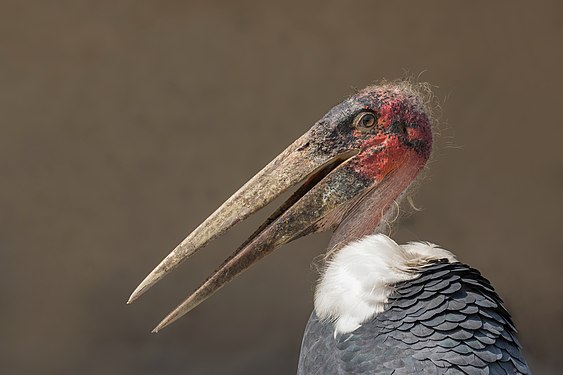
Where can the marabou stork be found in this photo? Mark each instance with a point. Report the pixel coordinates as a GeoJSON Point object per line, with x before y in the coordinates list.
{"type": "Point", "coordinates": [380, 307]}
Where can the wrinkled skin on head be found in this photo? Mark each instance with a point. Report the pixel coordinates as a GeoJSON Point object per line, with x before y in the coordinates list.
{"type": "Point", "coordinates": [402, 128]}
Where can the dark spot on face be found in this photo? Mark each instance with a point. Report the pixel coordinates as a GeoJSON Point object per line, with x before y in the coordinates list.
{"type": "Point", "coordinates": [420, 146]}
{"type": "Point", "coordinates": [399, 128]}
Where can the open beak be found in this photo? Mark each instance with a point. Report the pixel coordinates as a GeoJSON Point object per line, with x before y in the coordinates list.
{"type": "Point", "coordinates": [344, 168]}
{"type": "Point", "coordinates": [330, 185]}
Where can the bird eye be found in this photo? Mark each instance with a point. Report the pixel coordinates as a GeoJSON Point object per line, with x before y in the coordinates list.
{"type": "Point", "coordinates": [365, 120]}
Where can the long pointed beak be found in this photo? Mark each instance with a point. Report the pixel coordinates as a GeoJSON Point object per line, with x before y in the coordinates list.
{"type": "Point", "coordinates": [276, 177]}
{"type": "Point", "coordinates": [301, 214]}
{"type": "Point", "coordinates": [324, 173]}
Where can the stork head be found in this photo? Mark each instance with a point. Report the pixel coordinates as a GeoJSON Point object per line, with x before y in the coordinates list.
{"type": "Point", "coordinates": [353, 164]}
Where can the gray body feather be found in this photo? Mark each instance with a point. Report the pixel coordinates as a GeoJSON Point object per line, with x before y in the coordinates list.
{"type": "Point", "coordinates": [447, 321]}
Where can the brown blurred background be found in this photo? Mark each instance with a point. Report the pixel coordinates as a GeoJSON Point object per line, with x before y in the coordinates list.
{"type": "Point", "coordinates": [125, 123]}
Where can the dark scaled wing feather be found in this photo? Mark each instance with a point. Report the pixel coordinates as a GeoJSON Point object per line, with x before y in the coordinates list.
{"type": "Point", "coordinates": [447, 321]}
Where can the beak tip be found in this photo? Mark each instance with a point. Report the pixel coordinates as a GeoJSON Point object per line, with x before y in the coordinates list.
{"type": "Point", "coordinates": [151, 279]}
{"type": "Point", "coordinates": [137, 293]}
{"type": "Point", "coordinates": [169, 263]}
{"type": "Point", "coordinates": [163, 324]}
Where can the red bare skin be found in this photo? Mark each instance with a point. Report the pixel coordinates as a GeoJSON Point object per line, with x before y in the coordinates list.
{"type": "Point", "coordinates": [387, 150]}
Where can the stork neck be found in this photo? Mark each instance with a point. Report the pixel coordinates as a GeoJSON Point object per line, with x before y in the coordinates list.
{"type": "Point", "coordinates": [374, 212]}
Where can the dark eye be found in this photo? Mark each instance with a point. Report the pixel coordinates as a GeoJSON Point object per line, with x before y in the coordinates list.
{"type": "Point", "coordinates": [365, 120]}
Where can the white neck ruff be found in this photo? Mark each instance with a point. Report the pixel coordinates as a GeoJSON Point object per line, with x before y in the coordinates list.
{"type": "Point", "coordinates": [358, 280]}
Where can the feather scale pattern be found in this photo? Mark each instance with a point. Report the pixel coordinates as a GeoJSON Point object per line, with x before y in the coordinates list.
{"type": "Point", "coordinates": [449, 320]}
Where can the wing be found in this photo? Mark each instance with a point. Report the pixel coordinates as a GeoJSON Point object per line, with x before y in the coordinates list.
{"type": "Point", "coordinates": [447, 321]}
